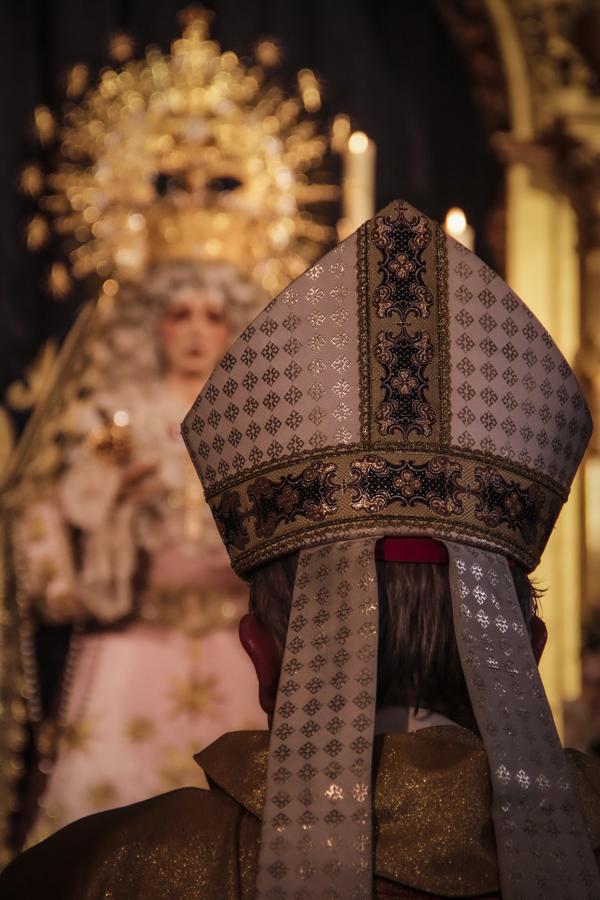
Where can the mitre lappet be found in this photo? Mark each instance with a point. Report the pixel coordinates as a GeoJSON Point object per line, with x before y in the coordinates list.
{"type": "Point", "coordinates": [397, 388]}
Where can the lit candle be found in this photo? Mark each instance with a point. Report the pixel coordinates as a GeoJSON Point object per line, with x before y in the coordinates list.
{"type": "Point", "coordinates": [359, 183]}
{"type": "Point", "coordinates": [340, 132]}
{"type": "Point", "coordinates": [457, 227]}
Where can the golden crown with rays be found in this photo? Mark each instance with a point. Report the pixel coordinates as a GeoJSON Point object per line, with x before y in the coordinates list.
{"type": "Point", "coordinates": [195, 153]}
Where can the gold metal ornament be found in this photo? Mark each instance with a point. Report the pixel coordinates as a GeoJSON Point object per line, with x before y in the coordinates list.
{"type": "Point", "coordinates": [194, 153]}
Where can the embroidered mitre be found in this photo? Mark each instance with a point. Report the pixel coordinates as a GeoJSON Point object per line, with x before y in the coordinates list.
{"type": "Point", "coordinates": [397, 386]}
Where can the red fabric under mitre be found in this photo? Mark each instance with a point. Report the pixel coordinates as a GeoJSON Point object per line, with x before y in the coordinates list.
{"type": "Point", "coordinates": [414, 549]}
{"type": "Point", "coordinates": [411, 549]}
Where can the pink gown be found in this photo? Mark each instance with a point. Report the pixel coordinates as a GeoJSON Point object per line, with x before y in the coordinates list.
{"type": "Point", "coordinates": [159, 673]}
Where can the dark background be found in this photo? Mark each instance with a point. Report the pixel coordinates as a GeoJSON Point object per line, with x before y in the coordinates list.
{"type": "Point", "coordinates": [391, 65]}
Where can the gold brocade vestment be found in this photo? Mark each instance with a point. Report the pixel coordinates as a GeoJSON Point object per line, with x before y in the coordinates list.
{"type": "Point", "coordinates": [434, 830]}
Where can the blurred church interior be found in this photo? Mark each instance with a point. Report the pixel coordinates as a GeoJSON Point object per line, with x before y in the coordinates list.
{"type": "Point", "coordinates": [484, 114]}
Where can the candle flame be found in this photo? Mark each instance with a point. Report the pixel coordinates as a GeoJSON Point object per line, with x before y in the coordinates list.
{"type": "Point", "coordinates": [456, 221]}
{"type": "Point", "coordinates": [358, 142]}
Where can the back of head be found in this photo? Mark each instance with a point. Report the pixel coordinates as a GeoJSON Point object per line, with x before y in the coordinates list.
{"type": "Point", "coordinates": [418, 663]}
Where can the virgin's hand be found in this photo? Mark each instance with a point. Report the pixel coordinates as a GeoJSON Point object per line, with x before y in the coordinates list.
{"type": "Point", "coordinates": [173, 568]}
{"type": "Point", "coordinates": [93, 488]}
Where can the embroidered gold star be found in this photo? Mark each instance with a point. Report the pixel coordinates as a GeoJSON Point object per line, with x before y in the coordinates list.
{"type": "Point", "coordinates": [76, 735]}
{"type": "Point", "coordinates": [102, 794]}
{"type": "Point", "coordinates": [139, 729]}
{"type": "Point", "coordinates": [194, 696]}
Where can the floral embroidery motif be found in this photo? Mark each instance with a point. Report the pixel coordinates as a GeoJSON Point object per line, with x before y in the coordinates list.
{"type": "Point", "coordinates": [402, 242]}
{"type": "Point", "coordinates": [378, 483]}
{"type": "Point", "coordinates": [310, 494]}
{"type": "Point", "coordinates": [231, 520]}
{"type": "Point", "coordinates": [499, 501]}
{"type": "Point", "coordinates": [404, 358]}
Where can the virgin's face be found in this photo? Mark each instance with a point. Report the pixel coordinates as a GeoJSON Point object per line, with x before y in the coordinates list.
{"type": "Point", "coordinates": [193, 333]}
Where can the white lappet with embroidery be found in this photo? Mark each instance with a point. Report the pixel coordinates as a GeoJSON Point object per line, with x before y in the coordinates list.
{"type": "Point", "coordinates": [398, 387]}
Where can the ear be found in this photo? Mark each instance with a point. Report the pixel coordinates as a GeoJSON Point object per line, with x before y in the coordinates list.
{"type": "Point", "coordinates": [539, 636]}
{"type": "Point", "coordinates": [259, 644]}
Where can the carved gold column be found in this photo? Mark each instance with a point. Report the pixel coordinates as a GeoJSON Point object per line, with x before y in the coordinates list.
{"type": "Point", "coordinates": [543, 268]}
{"type": "Point", "coordinates": [553, 263]}
{"type": "Point", "coordinates": [585, 179]}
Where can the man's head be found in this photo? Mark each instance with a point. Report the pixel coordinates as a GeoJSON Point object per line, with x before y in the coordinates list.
{"type": "Point", "coordinates": [418, 660]}
{"type": "Point", "coordinates": [375, 396]}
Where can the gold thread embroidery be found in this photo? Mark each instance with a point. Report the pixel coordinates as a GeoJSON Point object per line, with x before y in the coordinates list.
{"type": "Point", "coordinates": [443, 318]}
{"type": "Point", "coordinates": [363, 333]}
{"type": "Point", "coordinates": [403, 296]}
{"type": "Point", "coordinates": [400, 447]}
{"type": "Point", "coordinates": [453, 489]}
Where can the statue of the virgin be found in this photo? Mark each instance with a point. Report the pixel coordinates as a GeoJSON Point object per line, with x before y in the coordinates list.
{"type": "Point", "coordinates": [182, 186]}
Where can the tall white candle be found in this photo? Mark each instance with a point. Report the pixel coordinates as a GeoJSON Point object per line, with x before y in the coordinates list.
{"type": "Point", "coordinates": [358, 183]}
